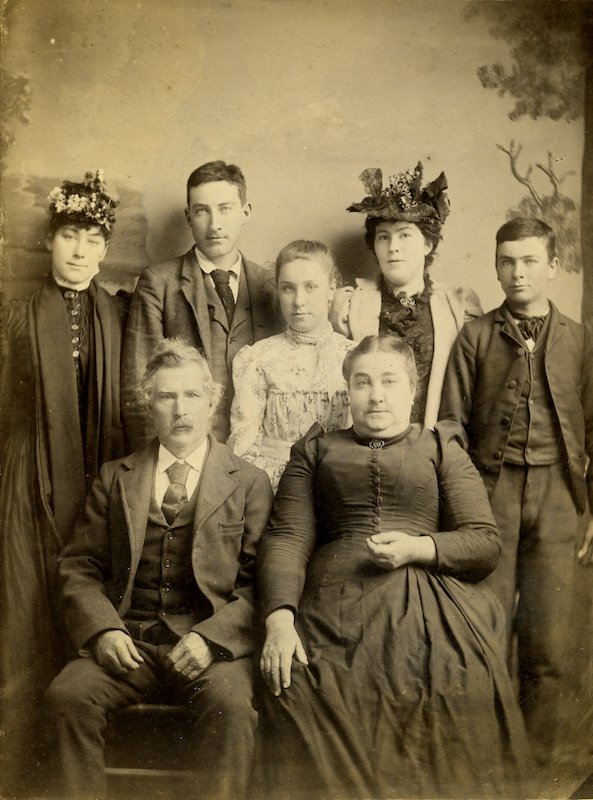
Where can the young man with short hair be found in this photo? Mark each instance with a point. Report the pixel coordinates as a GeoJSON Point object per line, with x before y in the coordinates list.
{"type": "Point", "coordinates": [520, 381]}
{"type": "Point", "coordinates": [212, 297]}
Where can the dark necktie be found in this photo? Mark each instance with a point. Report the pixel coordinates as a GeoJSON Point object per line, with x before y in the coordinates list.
{"type": "Point", "coordinates": [176, 494]}
{"type": "Point", "coordinates": [221, 280]}
{"type": "Point", "coordinates": [531, 327]}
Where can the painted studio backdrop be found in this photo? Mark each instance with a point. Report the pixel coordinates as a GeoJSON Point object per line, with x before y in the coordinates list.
{"type": "Point", "coordinates": [303, 96]}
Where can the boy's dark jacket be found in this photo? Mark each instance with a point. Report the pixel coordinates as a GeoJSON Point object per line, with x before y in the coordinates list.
{"type": "Point", "coordinates": [482, 390]}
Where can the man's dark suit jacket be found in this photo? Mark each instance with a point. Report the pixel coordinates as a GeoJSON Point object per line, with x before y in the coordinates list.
{"type": "Point", "coordinates": [98, 566]}
{"type": "Point", "coordinates": [170, 300]}
{"type": "Point", "coordinates": [481, 394]}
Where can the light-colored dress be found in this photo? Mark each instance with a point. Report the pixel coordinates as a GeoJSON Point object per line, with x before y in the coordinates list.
{"type": "Point", "coordinates": [283, 384]}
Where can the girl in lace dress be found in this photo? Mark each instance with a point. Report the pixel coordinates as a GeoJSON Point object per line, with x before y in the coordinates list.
{"type": "Point", "coordinates": [285, 383]}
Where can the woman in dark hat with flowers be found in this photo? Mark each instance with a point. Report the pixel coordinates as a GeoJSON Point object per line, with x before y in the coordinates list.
{"type": "Point", "coordinates": [60, 420]}
{"type": "Point", "coordinates": [403, 228]}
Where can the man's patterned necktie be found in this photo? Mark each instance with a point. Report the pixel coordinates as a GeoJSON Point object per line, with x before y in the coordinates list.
{"type": "Point", "coordinates": [176, 494]}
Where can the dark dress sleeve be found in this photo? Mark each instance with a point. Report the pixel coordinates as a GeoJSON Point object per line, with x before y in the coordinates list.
{"type": "Point", "coordinates": [468, 544]}
{"type": "Point", "coordinates": [288, 542]}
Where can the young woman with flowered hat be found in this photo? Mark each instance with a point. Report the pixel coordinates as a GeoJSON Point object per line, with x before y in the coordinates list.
{"type": "Point", "coordinates": [59, 421]}
{"type": "Point", "coordinates": [403, 228]}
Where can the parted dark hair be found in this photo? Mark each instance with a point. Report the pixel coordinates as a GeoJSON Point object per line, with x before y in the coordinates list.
{"type": "Point", "coordinates": [432, 233]}
{"type": "Point", "coordinates": [382, 343]}
{"type": "Point", "coordinates": [176, 352]}
{"type": "Point", "coordinates": [218, 171]}
{"type": "Point", "coordinates": [522, 227]}
{"type": "Point", "coordinates": [57, 221]}
{"type": "Point", "coordinates": [307, 249]}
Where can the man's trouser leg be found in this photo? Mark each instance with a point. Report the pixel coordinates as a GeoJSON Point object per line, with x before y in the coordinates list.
{"type": "Point", "coordinates": [540, 530]}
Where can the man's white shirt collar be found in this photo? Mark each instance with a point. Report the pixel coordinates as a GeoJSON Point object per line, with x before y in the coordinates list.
{"type": "Point", "coordinates": [194, 459]}
{"type": "Point", "coordinates": [164, 460]}
{"type": "Point", "coordinates": [207, 266]}
{"type": "Point", "coordinates": [235, 270]}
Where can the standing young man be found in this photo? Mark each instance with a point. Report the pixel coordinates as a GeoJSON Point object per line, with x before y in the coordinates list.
{"type": "Point", "coordinates": [520, 381]}
{"type": "Point", "coordinates": [212, 297]}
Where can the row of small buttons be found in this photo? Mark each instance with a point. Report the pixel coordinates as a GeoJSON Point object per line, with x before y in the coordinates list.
{"type": "Point", "coordinates": [376, 479]}
{"type": "Point", "coordinates": [166, 586]}
{"type": "Point", "coordinates": [507, 420]}
{"type": "Point", "coordinates": [521, 352]}
{"type": "Point", "coordinates": [498, 453]}
{"type": "Point", "coordinates": [74, 312]}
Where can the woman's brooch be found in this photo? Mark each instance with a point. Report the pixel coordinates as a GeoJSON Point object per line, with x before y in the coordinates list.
{"type": "Point", "coordinates": [403, 298]}
{"type": "Point", "coordinates": [376, 444]}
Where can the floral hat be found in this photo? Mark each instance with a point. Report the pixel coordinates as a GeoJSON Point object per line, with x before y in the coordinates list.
{"type": "Point", "coordinates": [86, 202]}
{"type": "Point", "coordinates": [404, 198]}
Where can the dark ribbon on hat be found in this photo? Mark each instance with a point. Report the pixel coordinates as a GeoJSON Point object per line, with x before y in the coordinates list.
{"type": "Point", "coordinates": [404, 198]}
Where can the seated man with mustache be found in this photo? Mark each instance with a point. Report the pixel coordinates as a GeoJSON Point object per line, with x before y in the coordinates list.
{"type": "Point", "coordinates": [157, 588]}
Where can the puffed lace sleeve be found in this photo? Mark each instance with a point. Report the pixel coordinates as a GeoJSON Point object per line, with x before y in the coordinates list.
{"type": "Point", "coordinates": [340, 310]}
{"type": "Point", "coordinates": [249, 404]}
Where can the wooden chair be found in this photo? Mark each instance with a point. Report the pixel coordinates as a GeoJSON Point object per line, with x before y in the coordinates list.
{"type": "Point", "coordinates": [145, 755]}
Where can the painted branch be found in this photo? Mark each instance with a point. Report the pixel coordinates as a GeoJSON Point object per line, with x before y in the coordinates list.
{"type": "Point", "coordinates": [513, 153]}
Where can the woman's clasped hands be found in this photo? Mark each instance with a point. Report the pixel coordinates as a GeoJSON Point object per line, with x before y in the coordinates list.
{"type": "Point", "coordinates": [281, 646]}
{"type": "Point", "coordinates": [393, 549]}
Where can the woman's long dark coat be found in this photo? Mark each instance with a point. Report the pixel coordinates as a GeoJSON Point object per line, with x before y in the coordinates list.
{"type": "Point", "coordinates": [50, 451]}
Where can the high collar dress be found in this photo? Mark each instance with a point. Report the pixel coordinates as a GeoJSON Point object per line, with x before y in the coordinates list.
{"type": "Point", "coordinates": [59, 421]}
{"type": "Point", "coordinates": [406, 693]}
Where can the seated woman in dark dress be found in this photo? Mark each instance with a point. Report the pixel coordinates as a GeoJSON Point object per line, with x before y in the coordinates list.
{"type": "Point", "coordinates": [383, 652]}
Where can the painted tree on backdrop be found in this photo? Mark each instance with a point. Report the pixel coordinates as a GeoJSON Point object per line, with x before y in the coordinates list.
{"type": "Point", "coordinates": [15, 102]}
{"type": "Point", "coordinates": [551, 75]}
{"type": "Point", "coordinates": [557, 209]}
